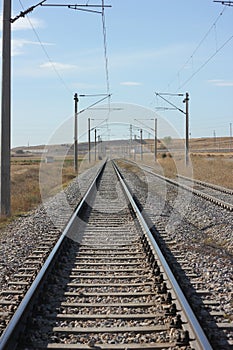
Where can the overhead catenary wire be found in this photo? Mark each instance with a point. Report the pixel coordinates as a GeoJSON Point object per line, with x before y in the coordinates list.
{"type": "Point", "coordinates": [46, 54]}
{"type": "Point", "coordinates": [22, 14]}
{"type": "Point", "coordinates": [207, 61]}
{"type": "Point", "coordinates": [105, 52]}
{"type": "Point", "coordinates": [212, 27]}
{"type": "Point", "coordinates": [76, 7]}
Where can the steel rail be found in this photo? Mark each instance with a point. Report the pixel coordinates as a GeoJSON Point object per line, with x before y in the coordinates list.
{"type": "Point", "coordinates": [7, 335]}
{"type": "Point", "coordinates": [207, 184]}
{"type": "Point", "coordinates": [200, 337]}
{"type": "Point", "coordinates": [219, 202]}
{"type": "Point", "coordinates": [198, 193]}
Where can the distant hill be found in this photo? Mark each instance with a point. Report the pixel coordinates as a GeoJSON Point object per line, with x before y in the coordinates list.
{"type": "Point", "coordinates": [218, 143]}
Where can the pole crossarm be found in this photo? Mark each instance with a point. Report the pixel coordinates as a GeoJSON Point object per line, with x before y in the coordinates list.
{"type": "Point", "coordinates": [186, 113]}
{"type": "Point", "coordinates": [227, 3]}
{"type": "Point", "coordinates": [24, 13]}
{"type": "Point", "coordinates": [79, 7]}
{"type": "Point", "coordinates": [170, 103]}
{"type": "Point", "coordinates": [92, 105]}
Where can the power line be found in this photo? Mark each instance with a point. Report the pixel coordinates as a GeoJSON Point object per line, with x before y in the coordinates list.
{"type": "Point", "coordinates": [22, 14]}
{"type": "Point", "coordinates": [105, 49]}
{"type": "Point", "coordinates": [207, 61]}
{"type": "Point", "coordinates": [46, 53]}
{"type": "Point", "coordinates": [199, 45]}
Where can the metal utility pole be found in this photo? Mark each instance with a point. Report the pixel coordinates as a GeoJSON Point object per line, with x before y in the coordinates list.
{"type": "Point", "coordinates": [141, 150]}
{"type": "Point", "coordinates": [6, 110]}
{"type": "Point", "coordinates": [155, 145]}
{"type": "Point", "coordinates": [95, 144]}
{"type": "Point", "coordinates": [130, 144]}
{"type": "Point", "coordinates": [98, 145]}
{"type": "Point", "coordinates": [6, 106]}
{"type": "Point", "coordinates": [215, 141]}
{"type": "Point", "coordinates": [155, 130]}
{"type": "Point", "coordinates": [186, 101]}
{"type": "Point", "coordinates": [89, 140]}
{"type": "Point", "coordinates": [76, 132]}
{"type": "Point", "coordinates": [230, 136]}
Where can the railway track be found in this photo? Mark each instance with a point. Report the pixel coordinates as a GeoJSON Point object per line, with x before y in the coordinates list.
{"type": "Point", "coordinates": [221, 196]}
{"type": "Point", "coordinates": [105, 285]}
{"type": "Point", "coordinates": [198, 235]}
{"type": "Point", "coordinates": [218, 192]}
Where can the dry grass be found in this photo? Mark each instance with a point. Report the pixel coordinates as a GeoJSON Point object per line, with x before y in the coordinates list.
{"type": "Point", "coordinates": [25, 186]}
{"type": "Point", "coordinates": [213, 168]}
{"type": "Point", "coordinates": [26, 193]}
{"type": "Point", "coordinates": [217, 169]}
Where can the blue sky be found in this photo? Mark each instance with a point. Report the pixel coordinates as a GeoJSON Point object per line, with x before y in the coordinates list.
{"type": "Point", "coordinates": [151, 46]}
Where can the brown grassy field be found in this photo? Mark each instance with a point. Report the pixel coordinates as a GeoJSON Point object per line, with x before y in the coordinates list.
{"type": "Point", "coordinates": [25, 188]}
{"type": "Point", "coordinates": [25, 182]}
{"type": "Point", "coordinates": [214, 168]}
{"type": "Point", "coordinates": [203, 143]}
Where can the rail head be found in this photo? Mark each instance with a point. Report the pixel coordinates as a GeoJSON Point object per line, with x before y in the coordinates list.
{"type": "Point", "coordinates": [201, 341]}
{"type": "Point", "coordinates": [198, 193]}
{"type": "Point", "coordinates": [7, 335]}
{"type": "Point", "coordinates": [207, 184]}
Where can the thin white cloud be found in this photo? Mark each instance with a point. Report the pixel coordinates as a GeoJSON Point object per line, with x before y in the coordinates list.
{"type": "Point", "coordinates": [18, 45]}
{"type": "Point", "coordinates": [57, 65]}
{"type": "Point", "coordinates": [130, 83]}
{"type": "Point", "coordinates": [220, 82]}
{"type": "Point", "coordinates": [24, 23]}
